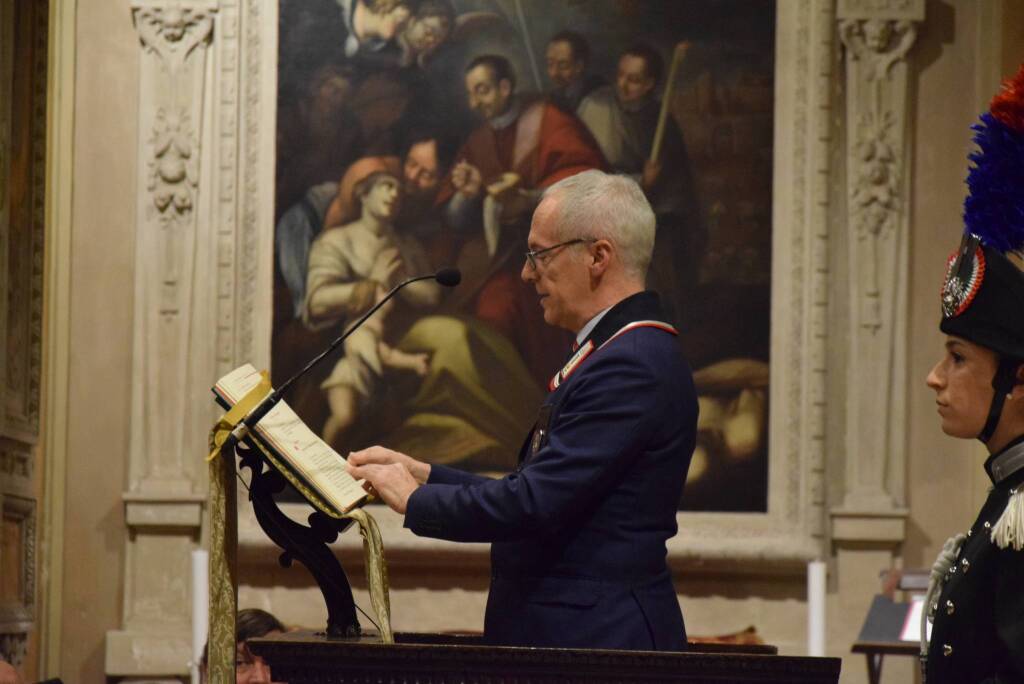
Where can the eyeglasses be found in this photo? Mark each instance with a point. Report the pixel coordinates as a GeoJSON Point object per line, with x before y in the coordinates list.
{"type": "Point", "coordinates": [536, 258]}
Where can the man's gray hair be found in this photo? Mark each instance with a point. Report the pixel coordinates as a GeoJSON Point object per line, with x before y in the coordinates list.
{"type": "Point", "coordinates": [594, 204]}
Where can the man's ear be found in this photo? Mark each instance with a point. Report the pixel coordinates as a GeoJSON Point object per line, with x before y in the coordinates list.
{"type": "Point", "coordinates": [505, 87]}
{"type": "Point", "coordinates": [601, 253]}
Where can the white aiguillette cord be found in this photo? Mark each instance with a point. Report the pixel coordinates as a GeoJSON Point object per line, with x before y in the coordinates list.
{"type": "Point", "coordinates": [942, 564]}
{"type": "Point", "coordinates": [1009, 529]}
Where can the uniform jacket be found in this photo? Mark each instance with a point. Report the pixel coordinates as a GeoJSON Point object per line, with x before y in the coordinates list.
{"type": "Point", "coordinates": [978, 633]}
{"type": "Point", "coordinates": [578, 531]}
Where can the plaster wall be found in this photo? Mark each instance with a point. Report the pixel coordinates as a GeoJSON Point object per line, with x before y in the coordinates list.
{"type": "Point", "coordinates": [100, 318]}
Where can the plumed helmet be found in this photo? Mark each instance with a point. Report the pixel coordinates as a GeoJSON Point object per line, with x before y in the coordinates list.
{"type": "Point", "coordinates": [983, 294]}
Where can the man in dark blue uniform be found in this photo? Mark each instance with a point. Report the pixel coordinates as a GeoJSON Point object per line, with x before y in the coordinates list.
{"type": "Point", "coordinates": [578, 531]}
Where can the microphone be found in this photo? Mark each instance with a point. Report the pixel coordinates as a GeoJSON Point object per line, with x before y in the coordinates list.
{"type": "Point", "coordinates": [448, 277]}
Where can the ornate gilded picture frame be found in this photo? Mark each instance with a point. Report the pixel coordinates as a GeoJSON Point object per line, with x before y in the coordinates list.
{"type": "Point", "coordinates": [791, 525]}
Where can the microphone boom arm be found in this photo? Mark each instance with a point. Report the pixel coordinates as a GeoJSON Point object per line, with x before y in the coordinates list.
{"type": "Point", "coordinates": [263, 408]}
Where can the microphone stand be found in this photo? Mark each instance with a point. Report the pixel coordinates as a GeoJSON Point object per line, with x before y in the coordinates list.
{"type": "Point", "coordinates": [308, 544]}
{"type": "Point", "coordinates": [272, 399]}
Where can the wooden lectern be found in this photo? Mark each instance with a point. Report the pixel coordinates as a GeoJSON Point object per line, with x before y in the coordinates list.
{"type": "Point", "coordinates": [344, 654]}
{"type": "Point", "coordinates": [306, 657]}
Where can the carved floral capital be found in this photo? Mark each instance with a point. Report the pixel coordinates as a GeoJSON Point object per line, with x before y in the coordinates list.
{"type": "Point", "coordinates": [173, 29]}
{"type": "Point", "coordinates": [878, 43]}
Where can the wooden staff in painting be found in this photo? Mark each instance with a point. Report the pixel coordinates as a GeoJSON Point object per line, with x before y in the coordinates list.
{"type": "Point", "coordinates": [663, 117]}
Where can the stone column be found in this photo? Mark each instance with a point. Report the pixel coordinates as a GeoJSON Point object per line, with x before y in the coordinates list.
{"type": "Point", "coordinates": [869, 522]}
{"type": "Point", "coordinates": [877, 36]}
{"type": "Point", "coordinates": [172, 363]}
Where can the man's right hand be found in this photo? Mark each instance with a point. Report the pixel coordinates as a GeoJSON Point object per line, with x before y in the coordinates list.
{"type": "Point", "coordinates": [467, 179]}
{"type": "Point", "coordinates": [378, 455]}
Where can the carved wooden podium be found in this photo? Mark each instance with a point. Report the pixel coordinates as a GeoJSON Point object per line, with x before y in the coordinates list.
{"type": "Point", "coordinates": [344, 654]}
{"type": "Point", "coordinates": [306, 657]}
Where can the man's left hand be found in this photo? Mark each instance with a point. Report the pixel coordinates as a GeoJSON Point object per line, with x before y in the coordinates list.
{"type": "Point", "coordinates": [392, 483]}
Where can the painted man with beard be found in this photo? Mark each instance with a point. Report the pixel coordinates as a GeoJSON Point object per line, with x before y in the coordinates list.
{"type": "Point", "coordinates": [492, 190]}
{"type": "Point", "coordinates": [567, 57]}
{"type": "Point", "coordinates": [623, 118]}
{"type": "Point", "coordinates": [425, 158]}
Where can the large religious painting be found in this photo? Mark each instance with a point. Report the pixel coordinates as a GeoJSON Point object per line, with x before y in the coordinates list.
{"type": "Point", "coordinates": [419, 134]}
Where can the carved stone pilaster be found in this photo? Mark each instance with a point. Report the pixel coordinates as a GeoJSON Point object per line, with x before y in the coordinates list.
{"type": "Point", "coordinates": [174, 36]}
{"type": "Point", "coordinates": [7, 84]}
{"type": "Point", "coordinates": [23, 39]}
{"type": "Point", "coordinates": [22, 235]}
{"type": "Point", "coordinates": [6, 75]}
{"type": "Point", "coordinates": [877, 37]}
{"type": "Point", "coordinates": [172, 365]}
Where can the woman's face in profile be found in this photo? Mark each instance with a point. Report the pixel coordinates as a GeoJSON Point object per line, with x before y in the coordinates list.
{"type": "Point", "coordinates": [383, 198]}
{"type": "Point", "coordinates": [962, 381]}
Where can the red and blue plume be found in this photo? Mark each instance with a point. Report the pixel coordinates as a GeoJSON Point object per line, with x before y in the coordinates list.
{"type": "Point", "coordinates": [994, 208]}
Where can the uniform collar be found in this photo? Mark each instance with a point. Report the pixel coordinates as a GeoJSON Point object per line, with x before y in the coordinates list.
{"type": "Point", "coordinates": [585, 331]}
{"type": "Point", "coordinates": [643, 306]}
{"type": "Point", "coordinates": [640, 310]}
{"type": "Point", "coordinates": [1007, 467]}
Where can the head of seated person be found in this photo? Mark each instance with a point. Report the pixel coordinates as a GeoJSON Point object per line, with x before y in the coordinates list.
{"type": "Point", "coordinates": [250, 623]}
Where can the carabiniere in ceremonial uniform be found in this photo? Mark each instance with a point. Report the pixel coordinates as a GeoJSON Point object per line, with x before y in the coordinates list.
{"type": "Point", "coordinates": [976, 597]}
{"type": "Point", "coordinates": [978, 631]}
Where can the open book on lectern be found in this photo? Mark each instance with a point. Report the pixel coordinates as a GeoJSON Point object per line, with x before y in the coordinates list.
{"type": "Point", "coordinates": [315, 469]}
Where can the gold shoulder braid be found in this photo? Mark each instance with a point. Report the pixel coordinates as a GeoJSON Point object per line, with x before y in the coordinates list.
{"type": "Point", "coordinates": [224, 541]}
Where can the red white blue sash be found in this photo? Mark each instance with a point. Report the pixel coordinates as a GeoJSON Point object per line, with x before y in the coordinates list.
{"type": "Point", "coordinates": [589, 348]}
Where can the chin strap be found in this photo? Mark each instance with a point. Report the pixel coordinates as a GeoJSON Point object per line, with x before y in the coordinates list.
{"type": "Point", "coordinates": [1003, 383]}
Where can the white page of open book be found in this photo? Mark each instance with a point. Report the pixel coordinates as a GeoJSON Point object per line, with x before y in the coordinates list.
{"type": "Point", "coordinates": [912, 623]}
{"type": "Point", "coordinates": [290, 437]}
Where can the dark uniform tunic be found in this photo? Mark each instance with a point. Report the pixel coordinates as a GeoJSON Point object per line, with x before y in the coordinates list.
{"type": "Point", "coordinates": [978, 633]}
{"type": "Point", "coordinates": [579, 529]}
